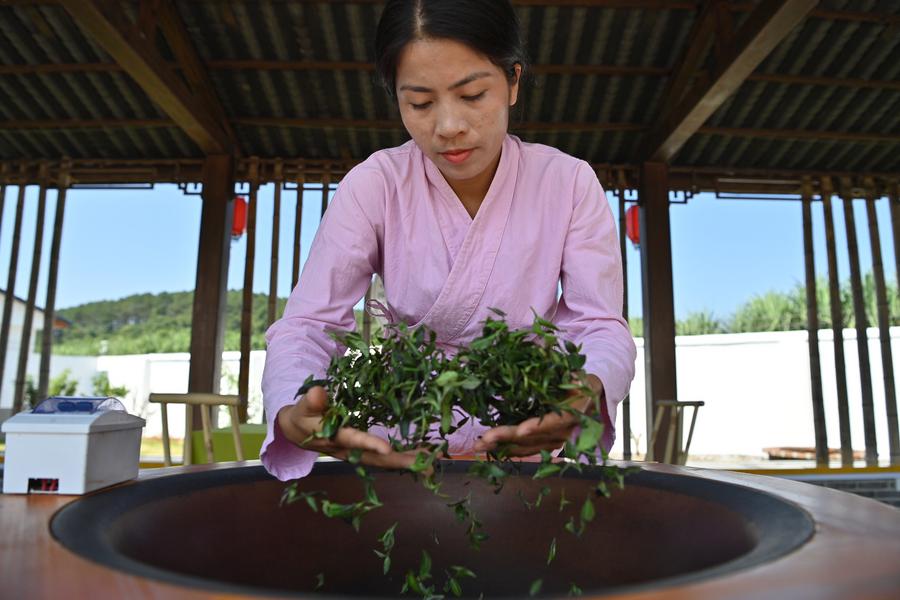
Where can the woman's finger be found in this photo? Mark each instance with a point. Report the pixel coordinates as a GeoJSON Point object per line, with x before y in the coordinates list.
{"type": "Point", "coordinates": [393, 460]}
{"type": "Point", "coordinates": [354, 438]}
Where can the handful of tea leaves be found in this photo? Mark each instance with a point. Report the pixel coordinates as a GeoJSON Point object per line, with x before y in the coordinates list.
{"type": "Point", "coordinates": [406, 383]}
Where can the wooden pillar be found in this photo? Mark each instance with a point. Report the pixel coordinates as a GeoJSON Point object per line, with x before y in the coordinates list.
{"type": "Point", "coordinates": [208, 317]}
{"type": "Point", "coordinates": [812, 329]}
{"type": "Point", "coordinates": [10, 292]}
{"type": "Point", "coordinates": [894, 199]}
{"type": "Point", "coordinates": [837, 326]}
{"type": "Point", "coordinates": [50, 304]}
{"type": "Point", "coordinates": [276, 233]}
{"type": "Point", "coordinates": [623, 246]}
{"type": "Point", "coordinates": [659, 305]}
{"type": "Point", "coordinates": [6, 298]}
{"type": "Point", "coordinates": [861, 322]}
{"type": "Point", "coordinates": [298, 225]}
{"type": "Point", "coordinates": [247, 304]}
{"type": "Point", "coordinates": [884, 325]}
{"type": "Point", "coordinates": [326, 188]}
{"type": "Point", "coordinates": [25, 346]}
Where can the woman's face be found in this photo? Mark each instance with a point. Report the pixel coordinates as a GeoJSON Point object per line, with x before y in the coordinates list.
{"type": "Point", "coordinates": [455, 104]}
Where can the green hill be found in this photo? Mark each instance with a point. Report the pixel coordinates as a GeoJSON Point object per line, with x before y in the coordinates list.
{"type": "Point", "coordinates": [146, 323]}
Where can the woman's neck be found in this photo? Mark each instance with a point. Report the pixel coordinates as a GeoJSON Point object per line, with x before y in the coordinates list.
{"type": "Point", "coordinates": [471, 192]}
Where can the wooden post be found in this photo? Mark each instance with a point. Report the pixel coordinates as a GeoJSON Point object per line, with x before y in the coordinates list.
{"type": "Point", "coordinates": [247, 305]}
{"type": "Point", "coordinates": [208, 320]}
{"type": "Point", "coordinates": [884, 325]}
{"type": "Point", "coordinates": [25, 346]}
{"type": "Point", "coordinates": [623, 246]}
{"type": "Point", "coordinates": [326, 188]}
{"type": "Point", "coordinates": [52, 276]}
{"type": "Point", "coordinates": [298, 225]}
{"type": "Point", "coordinates": [276, 231]}
{"type": "Point", "coordinates": [862, 325]}
{"type": "Point", "coordinates": [366, 317]}
{"type": "Point", "coordinates": [659, 307]}
{"type": "Point", "coordinates": [10, 293]}
{"type": "Point", "coordinates": [812, 329]}
{"type": "Point", "coordinates": [894, 199]}
{"type": "Point", "coordinates": [837, 326]}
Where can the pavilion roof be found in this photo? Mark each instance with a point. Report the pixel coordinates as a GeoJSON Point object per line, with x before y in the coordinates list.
{"type": "Point", "coordinates": [614, 82]}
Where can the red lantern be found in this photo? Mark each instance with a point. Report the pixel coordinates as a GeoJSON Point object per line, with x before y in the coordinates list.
{"type": "Point", "coordinates": [633, 224]}
{"type": "Point", "coordinates": [239, 221]}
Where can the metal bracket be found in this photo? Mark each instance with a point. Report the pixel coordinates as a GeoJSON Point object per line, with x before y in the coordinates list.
{"type": "Point", "coordinates": [191, 189]}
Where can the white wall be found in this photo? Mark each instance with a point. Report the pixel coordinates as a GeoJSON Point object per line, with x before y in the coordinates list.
{"type": "Point", "coordinates": [757, 391]}
{"type": "Point", "coordinates": [756, 387]}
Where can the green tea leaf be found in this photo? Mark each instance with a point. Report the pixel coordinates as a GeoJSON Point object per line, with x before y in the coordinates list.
{"type": "Point", "coordinates": [587, 511]}
{"type": "Point", "coordinates": [552, 554]}
{"type": "Point", "coordinates": [425, 566]}
{"type": "Point", "coordinates": [535, 587]}
{"type": "Point", "coordinates": [546, 471]}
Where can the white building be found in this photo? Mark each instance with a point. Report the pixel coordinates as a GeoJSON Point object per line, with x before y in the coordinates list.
{"type": "Point", "coordinates": [10, 354]}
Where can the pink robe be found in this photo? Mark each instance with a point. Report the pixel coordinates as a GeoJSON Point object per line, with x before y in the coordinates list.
{"type": "Point", "coordinates": [544, 221]}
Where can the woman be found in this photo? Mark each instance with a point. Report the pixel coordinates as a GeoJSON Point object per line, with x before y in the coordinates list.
{"type": "Point", "coordinates": [462, 218]}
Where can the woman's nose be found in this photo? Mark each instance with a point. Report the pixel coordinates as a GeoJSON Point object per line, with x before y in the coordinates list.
{"type": "Point", "coordinates": [450, 123]}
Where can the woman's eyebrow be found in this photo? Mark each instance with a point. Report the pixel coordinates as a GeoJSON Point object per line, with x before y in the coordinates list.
{"type": "Point", "coordinates": [460, 83]}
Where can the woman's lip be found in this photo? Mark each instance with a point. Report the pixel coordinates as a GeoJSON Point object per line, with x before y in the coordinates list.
{"type": "Point", "coordinates": [457, 156]}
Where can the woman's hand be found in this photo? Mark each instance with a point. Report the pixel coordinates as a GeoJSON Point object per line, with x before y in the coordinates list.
{"type": "Point", "coordinates": [300, 421]}
{"type": "Point", "coordinates": [549, 432]}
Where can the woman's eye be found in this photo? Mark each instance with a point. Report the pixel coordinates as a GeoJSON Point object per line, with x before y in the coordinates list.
{"type": "Point", "coordinates": [422, 106]}
{"type": "Point", "coordinates": [475, 97]}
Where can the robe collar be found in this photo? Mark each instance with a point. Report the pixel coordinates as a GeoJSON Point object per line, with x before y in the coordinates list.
{"type": "Point", "coordinates": [469, 276]}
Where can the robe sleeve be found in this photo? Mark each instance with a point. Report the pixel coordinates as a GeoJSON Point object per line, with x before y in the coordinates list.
{"type": "Point", "coordinates": [590, 308]}
{"type": "Point", "coordinates": [336, 275]}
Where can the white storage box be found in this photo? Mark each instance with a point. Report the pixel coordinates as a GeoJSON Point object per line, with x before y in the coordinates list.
{"type": "Point", "coordinates": [71, 446]}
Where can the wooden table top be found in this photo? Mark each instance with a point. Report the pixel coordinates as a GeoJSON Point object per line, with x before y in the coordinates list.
{"type": "Point", "coordinates": [855, 552]}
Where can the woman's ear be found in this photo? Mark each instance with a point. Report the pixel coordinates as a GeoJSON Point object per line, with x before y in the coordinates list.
{"type": "Point", "coordinates": [514, 86]}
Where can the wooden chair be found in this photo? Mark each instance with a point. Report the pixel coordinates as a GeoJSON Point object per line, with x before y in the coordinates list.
{"type": "Point", "coordinates": [673, 446]}
{"type": "Point", "coordinates": [205, 402]}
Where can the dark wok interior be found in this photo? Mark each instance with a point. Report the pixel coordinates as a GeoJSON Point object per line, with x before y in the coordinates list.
{"type": "Point", "coordinates": [224, 530]}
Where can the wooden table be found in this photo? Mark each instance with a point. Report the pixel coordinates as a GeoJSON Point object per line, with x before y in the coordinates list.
{"type": "Point", "coordinates": [855, 552]}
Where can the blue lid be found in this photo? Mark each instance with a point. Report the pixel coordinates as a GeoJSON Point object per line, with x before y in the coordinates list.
{"type": "Point", "coordinates": [77, 404]}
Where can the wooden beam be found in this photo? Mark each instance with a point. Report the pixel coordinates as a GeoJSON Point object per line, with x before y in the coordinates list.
{"type": "Point", "coordinates": [538, 69]}
{"type": "Point", "coordinates": [812, 328]}
{"type": "Point", "coordinates": [801, 134]}
{"type": "Point", "coordinates": [392, 125]}
{"type": "Point", "coordinates": [214, 247]}
{"type": "Point", "coordinates": [763, 30]}
{"type": "Point", "coordinates": [66, 124]}
{"type": "Point", "coordinates": [191, 65]}
{"type": "Point", "coordinates": [106, 25]}
{"type": "Point", "coordinates": [658, 300]}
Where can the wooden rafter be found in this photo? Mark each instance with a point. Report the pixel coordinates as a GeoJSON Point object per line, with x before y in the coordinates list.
{"type": "Point", "coordinates": [105, 23]}
{"type": "Point", "coordinates": [390, 125]}
{"type": "Point", "coordinates": [189, 62]}
{"type": "Point", "coordinates": [763, 30]}
{"type": "Point", "coordinates": [546, 69]}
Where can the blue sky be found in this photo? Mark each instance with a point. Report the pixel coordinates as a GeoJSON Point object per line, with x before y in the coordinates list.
{"type": "Point", "coordinates": [122, 242]}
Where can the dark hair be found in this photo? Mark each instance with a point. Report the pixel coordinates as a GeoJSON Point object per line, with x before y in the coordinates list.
{"type": "Point", "coordinates": [489, 27]}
